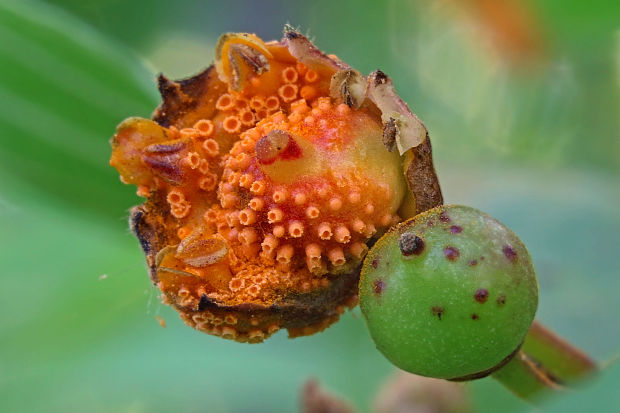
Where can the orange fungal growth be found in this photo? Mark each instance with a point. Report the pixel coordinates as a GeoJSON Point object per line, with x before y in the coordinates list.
{"type": "Point", "coordinates": [173, 132]}
{"type": "Point", "coordinates": [203, 166]}
{"type": "Point", "coordinates": [175, 196]}
{"type": "Point", "coordinates": [188, 133]}
{"type": "Point", "coordinates": [232, 124]}
{"type": "Point", "coordinates": [272, 103]}
{"type": "Point", "coordinates": [313, 252]}
{"type": "Point", "coordinates": [257, 102]}
{"type": "Point", "coordinates": [247, 117]}
{"type": "Point", "coordinates": [370, 230]}
{"type": "Point", "coordinates": [358, 249]}
{"type": "Point", "coordinates": [278, 231]}
{"type": "Point", "coordinates": [288, 92]}
{"type": "Point", "coordinates": [324, 231]}
{"type": "Point", "coordinates": [358, 225]}
{"type": "Point", "coordinates": [324, 103]}
{"type": "Point", "coordinates": [256, 204]}
{"type": "Point", "coordinates": [248, 236]}
{"type": "Point", "coordinates": [279, 196]}
{"type": "Point", "coordinates": [246, 180]}
{"type": "Point", "coordinates": [335, 204]}
{"type": "Point", "coordinates": [312, 212]}
{"type": "Point", "coordinates": [308, 92]}
{"type": "Point", "coordinates": [143, 191]}
{"type": "Point", "coordinates": [193, 160]}
{"type": "Point", "coordinates": [225, 102]}
{"type": "Point", "coordinates": [266, 177]}
{"type": "Point", "coordinates": [289, 75]}
{"type": "Point", "coordinates": [247, 217]}
{"type": "Point", "coordinates": [295, 229]}
{"type": "Point", "coordinates": [241, 103]}
{"type": "Point", "coordinates": [232, 218]}
{"type": "Point", "coordinates": [301, 68]}
{"type": "Point", "coordinates": [336, 256]}
{"type": "Point", "coordinates": [285, 254]}
{"type": "Point", "coordinates": [300, 198]}
{"type": "Point", "coordinates": [311, 76]}
{"type": "Point", "coordinates": [184, 232]}
{"type": "Point", "coordinates": [299, 106]}
{"type": "Point", "coordinates": [257, 187]}
{"type": "Point", "coordinates": [180, 210]}
{"type": "Point", "coordinates": [269, 244]}
{"type": "Point", "coordinates": [207, 182]}
{"type": "Point", "coordinates": [354, 197]}
{"type": "Point", "coordinates": [385, 220]}
{"type": "Point", "coordinates": [275, 215]}
{"type": "Point", "coordinates": [204, 127]}
{"type": "Point", "coordinates": [211, 147]}
{"type": "Point", "coordinates": [343, 109]}
{"type": "Point", "coordinates": [342, 234]}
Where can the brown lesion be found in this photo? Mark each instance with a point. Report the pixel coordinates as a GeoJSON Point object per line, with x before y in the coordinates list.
{"type": "Point", "coordinates": [437, 311]}
{"type": "Point", "coordinates": [237, 243]}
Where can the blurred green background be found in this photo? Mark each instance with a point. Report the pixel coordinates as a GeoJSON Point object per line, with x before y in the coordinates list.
{"type": "Point", "coordinates": [521, 100]}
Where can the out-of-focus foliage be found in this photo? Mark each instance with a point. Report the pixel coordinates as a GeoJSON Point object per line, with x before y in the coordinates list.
{"type": "Point", "coordinates": [534, 142]}
{"type": "Point", "coordinates": [63, 89]}
{"type": "Point", "coordinates": [559, 106]}
{"type": "Point", "coordinates": [599, 394]}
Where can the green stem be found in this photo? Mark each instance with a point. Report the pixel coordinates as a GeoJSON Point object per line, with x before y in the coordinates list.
{"type": "Point", "coordinates": [562, 361]}
{"type": "Point", "coordinates": [522, 377]}
{"type": "Point", "coordinates": [545, 363]}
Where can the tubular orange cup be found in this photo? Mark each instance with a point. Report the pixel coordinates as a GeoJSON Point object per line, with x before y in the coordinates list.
{"type": "Point", "coordinates": [267, 177]}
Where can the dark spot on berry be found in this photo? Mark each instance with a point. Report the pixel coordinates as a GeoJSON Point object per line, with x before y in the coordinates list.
{"type": "Point", "coordinates": [443, 217]}
{"type": "Point", "coordinates": [474, 316]}
{"type": "Point", "coordinates": [437, 311]}
{"type": "Point", "coordinates": [473, 263]}
{"type": "Point", "coordinates": [510, 253]}
{"type": "Point", "coordinates": [410, 244]}
{"type": "Point", "coordinates": [456, 229]}
{"type": "Point", "coordinates": [501, 300]}
{"type": "Point", "coordinates": [375, 263]}
{"type": "Point", "coordinates": [451, 253]}
{"type": "Point", "coordinates": [482, 295]}
{"type": "Point", "coordinates": [378, 286]}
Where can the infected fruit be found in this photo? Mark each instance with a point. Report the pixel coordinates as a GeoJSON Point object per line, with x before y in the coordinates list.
{"type": "Point", "coordinates": [266, 177]}
{"type": "Point", "coordinates": [450, 293]}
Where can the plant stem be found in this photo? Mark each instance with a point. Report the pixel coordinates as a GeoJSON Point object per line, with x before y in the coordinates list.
{"type": "Point", "coordinates": [562, 361]}
{"type": "Point", "coordinates": [523, 378]}
{"type": "Point", "coordinates": [545, 363]}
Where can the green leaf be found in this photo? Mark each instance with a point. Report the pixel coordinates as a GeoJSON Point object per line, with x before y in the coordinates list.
{"type": "Point", "coordinates": [64, 89]}
{"type": "Point", "coordinates": [598, 395]}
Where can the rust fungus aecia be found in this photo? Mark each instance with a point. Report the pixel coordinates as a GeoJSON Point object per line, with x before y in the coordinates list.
{"type": "Point", "coordinates": [266, 177]}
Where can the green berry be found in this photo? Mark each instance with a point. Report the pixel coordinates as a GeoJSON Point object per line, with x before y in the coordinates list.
{"type": "Point", "coordinates": [450, 293]}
